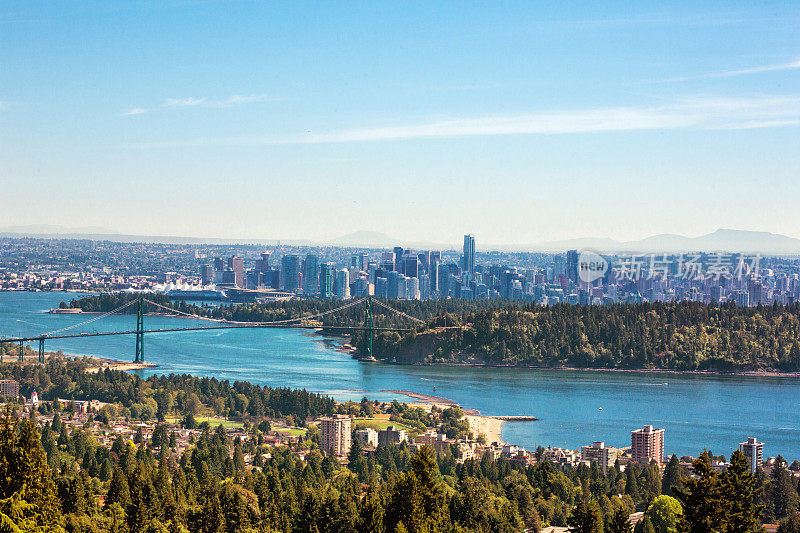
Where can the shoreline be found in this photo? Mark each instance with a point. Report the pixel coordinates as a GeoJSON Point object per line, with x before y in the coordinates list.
{"type": "Point", "coordinates": [345, 347]}
{"type": "Point", "coordinates": [745, 373]}
{"type": "Point", "coordinates": [490, 426]}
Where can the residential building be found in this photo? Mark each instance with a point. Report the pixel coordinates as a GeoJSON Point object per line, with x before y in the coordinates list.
{"type": "Point", "coordinates": [391, 435]}
{"type": "Point", "coordinates": [604, 456]}
{"type": "Point", "coordinates": [341, 285]}
{"type": "Point", "coordinates": [367, 437]}
{"type": "Point", "coordinates": [326, 278]}
{"type": "Point", "coordinates": [754, 451]}
{"type": "Point", "coordinates": [647, 444]}
{"type": "Point", "coordinates": [336, 435]}
{"type": "Point", "coordinates": [9, 388]}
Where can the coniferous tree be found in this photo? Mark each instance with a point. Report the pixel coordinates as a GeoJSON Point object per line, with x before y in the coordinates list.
{"type": "Point", "coordinates": [370, 516]}
{"type": "Point", "coordinates": [701, 499]}
{"type": "Point", "coordinates": [672, 476]}
{"type": "Point", "coordinates": [741, 496]}
{"type": "Point", "coordinates": [620, 522]}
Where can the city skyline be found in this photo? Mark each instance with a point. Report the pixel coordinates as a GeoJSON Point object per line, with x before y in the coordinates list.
{"type": "Point", "coordinates": [286, 122]}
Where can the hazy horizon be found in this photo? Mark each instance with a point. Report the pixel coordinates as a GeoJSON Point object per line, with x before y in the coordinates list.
{"type": "Point", "coordinates": [523, 124]}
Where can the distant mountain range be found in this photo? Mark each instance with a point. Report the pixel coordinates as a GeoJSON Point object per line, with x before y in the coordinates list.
{"type": "Point", "coordinates": [722, 240]}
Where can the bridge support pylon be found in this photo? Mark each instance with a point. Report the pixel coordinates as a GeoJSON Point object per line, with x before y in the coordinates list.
{"type": "Point", "coordinates": [139, 357]}
{"type": "Point", "coordinates": [21, 351]}
{"type": "Point", "coordinates": [41, 350]}
{"type": "Point", "coordinates": [368, 324]}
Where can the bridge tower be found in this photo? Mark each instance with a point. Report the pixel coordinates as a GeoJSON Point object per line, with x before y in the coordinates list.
{"type": "Point", "coordinates": [41, 350]}
{"type": "Point", "coordinates": [21, 351]}
{"type": "Point", "coordinates": [368, 324]}
{"type": "Point", "coordinates": [139, 357]}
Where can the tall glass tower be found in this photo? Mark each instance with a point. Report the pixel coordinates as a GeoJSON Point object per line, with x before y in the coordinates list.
{"type": "Point", "coordinates": [469, 255]}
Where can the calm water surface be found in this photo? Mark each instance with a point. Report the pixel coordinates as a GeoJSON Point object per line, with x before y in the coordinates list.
{"type": "Point", "coordinates": [716, 412]}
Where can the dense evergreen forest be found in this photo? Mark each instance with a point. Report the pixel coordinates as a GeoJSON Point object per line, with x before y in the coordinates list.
{"type": "Point", "coordinates": [57, 477]}
{"type": "Point", "coordinates": [676, 336]}
{"type": "Point", "coordinates": [686, 336]}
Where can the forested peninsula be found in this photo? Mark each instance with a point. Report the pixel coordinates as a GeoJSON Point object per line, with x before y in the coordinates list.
{"type": "Point", "coordinates": [675, 336]}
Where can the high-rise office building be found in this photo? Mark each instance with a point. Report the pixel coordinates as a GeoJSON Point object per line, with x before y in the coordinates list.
{"type": "Point", "coordinates": [411, 265]}
{"type": "Point", "coordinates": [359, 261]}
{"type": "Point", "coordinates": [469, 255]}
{"type": "Point", "coordinates": [754, 451]}
{"type": "Point", "coordinates": [219, 264]}
{"type": "Point", "coordinates": [311, 275]}
{"type": "Point", "coordinates": [290, 272]}
{"type": "Point", "coordinates": [647, 444]}
{"type": "Point", "coordinates": [262, 265]}
{"type": "Point", "coordinates": [433, 273]}
{"type": "Point", "coordinates": [336, 435]}
{"type": "Point", "coordinates": [206, 274]}
{"type": "Point", "coordinates": [398, 258]}
{"type": "Point", "coordinates": [326, 277]}
{"type": "Point", "coordinates": [572, 265]}
{"type": "Point", "coordinates": [236, 264]}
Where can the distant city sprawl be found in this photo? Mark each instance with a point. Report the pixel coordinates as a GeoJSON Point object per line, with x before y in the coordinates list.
{"type": "Point", "coordinates": [249, 273]}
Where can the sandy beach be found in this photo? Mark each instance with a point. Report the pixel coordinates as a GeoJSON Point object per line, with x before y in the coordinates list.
{"type": "Point", "coordinates": [479, 424]}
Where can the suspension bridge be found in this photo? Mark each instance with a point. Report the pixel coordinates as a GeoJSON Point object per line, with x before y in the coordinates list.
{"type": "Point", "coordinates": [302, 322]}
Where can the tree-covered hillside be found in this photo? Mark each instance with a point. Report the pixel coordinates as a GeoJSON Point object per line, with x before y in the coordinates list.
{"type": "Point", "coordinates": [677, 336]}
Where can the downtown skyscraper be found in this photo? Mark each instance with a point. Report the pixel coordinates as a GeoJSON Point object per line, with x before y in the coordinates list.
{"type": "Point", "coordinates": [469, 255]}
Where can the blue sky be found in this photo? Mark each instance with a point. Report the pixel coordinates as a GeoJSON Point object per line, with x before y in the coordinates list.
{"type": "Point", "coordinates": [520, 122]}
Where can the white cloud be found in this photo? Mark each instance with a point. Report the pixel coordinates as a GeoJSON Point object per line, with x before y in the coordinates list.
{"type": "Point", "coordinates": [690, 113]}
{"type": "Point", "coordinates": [756, 70]}
{"type": "Point", "coordinates": [792, 65]}
{"type": "Point", "coordinates": [134, 111]}
{"type": "Point", "coordinates": [184, 102]}
{"type": "Point", "coordinates": [234, 99]}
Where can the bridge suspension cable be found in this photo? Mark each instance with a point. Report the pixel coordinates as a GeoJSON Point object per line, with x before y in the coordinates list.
{"type": "Point", "coordinates": [86, 322]}
{"type": "Point", "coordinates": [268, 323]}
{"type": "Point", "coordinates": [386, 306]}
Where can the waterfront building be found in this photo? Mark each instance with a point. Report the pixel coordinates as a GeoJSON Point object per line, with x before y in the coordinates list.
{"type": "Point", "coordinates": [262, 265]}
{"type": "Point", "coordinates": [391, 435]}
{"type": "Point", "coordinates": [754, 451]}
{"type": "Point", "coordinates": [290, 272]}
{"type": "Point", "coordinates": [647, 444]}
{"type": "Point", "coordinates": [336, 435]}
{"type": "Point", "coordinates": [367, 437]}
{"type": "Point", "coordinates": [598, 451]}
{"type": "Point", "coordinates": [236, 264]}
{"type": "Point", "coordinates": [206, 274]}
{"type": "Point", "coordinates": [9, 388]}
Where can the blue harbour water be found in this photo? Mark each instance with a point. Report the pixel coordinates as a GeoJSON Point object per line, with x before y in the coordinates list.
{"type": "Point", "coordinates": [714, 412]}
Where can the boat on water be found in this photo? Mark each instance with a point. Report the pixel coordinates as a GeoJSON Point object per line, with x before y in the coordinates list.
{"type": "Point", "coordinates": [66, 311]}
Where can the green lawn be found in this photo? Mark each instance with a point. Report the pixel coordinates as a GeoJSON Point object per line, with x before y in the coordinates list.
{"type": "Point", "coordinates": [211, 420]}
{"type": "Point", "coordinates": [290, 431]}
{"type": "Point", "coordinates": [381, 423]}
